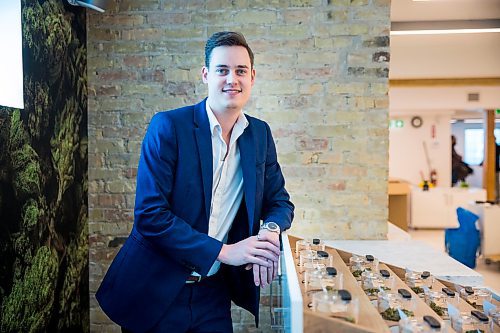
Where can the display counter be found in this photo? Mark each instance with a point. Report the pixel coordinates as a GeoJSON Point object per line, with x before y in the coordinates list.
{"type": "Point", "coordinates": [302, 310]}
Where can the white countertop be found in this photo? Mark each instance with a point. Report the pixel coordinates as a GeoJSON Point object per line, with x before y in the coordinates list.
{"type": "Point", "coordinates": [402, 251]}
{"type": "Point", "coordinates": [415, 255]}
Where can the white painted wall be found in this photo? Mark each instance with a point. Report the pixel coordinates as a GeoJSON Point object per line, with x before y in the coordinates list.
{"type": "Point", "coordinates": [445, 56]}
{"type": "Point", "coordinates": [406, 151]}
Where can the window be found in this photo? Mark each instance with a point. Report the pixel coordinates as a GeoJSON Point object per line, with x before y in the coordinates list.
{"type": "Point", "coordinates": [474, 145]}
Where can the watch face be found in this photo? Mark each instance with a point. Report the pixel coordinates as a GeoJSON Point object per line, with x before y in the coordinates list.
{"type": "Point", "coordinates": [272, 226]}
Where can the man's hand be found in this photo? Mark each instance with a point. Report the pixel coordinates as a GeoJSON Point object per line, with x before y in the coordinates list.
{"type": "Point", "coordinates": [263, 275]}
{"type": "Point", "coordinates": [250, 251]}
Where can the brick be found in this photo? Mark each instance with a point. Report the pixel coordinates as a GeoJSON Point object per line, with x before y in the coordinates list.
{"type": "Point", "coordinates": [306, 143]}
{"type": "Point", "coordinates": [305, 3]}
{"type": "Point", "coordinates": [311, 89]}
{"type": "Point", "coordinates": [136, 61]}
{"type": "Point", "coordinates": [114, 75]}
{"type": "Point", "coordinates": [338, 2]}
{"type": "Point", "coordinates": [103, 34]}
{"type": "Point", "coordinates": [315, 58]}
{"type": "Point", "coordinates": [359, 58]}
{"type": "Point", "coordinates": [273, 58]}
{"type": "Point", "coordinates": [294, 31]}
{"type": "Point", "coordinates": [266, 3]}
{"type": "Point", "coordinates": [119, 104]}
{"type": "Point", "coordinates": [277, 87]}
{"type": "Point", "coordinates": [161, 18]}
{"type": "Point", "coordinates": [381, 56]}
{"type": "Point", "coordinates": [300, 16]}
{"type": "Point", "coordinates": [368, 72]}
{"type": "Point", "coordinates": [133, 5]}
{"type": "Point", "coordinates": [380, 41]}
{"type": "Point", "coordinates": [120, 20]}
{"type": "Point", "coordinates": [337, 16]}
{"type": "Point", "coordinates": [255, 17]}
{"type": "Point", "coordinates": [142, 89]}
{"type": "Point", "coordinates": [317, 74]}
{"type": "Point", "coordinates": [107, 90]}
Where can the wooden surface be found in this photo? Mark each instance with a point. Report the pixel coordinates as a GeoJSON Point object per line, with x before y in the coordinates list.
{"type": "Point", "coordinates": [489, 179]}
{"type": "Point", "coordinates": [368, 320]}
{"type": "Point", "coordinates": [399, 203]}
{"type": "Point", "coordinates": [439, 285]}
{"type": "Point", "coordinates": [421, 308]}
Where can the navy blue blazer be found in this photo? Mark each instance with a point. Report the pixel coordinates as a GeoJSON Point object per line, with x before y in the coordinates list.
{"type": "Point", "coordinates": [169, 239]}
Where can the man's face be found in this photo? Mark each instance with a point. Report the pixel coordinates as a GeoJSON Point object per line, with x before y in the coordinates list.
{"type": "Point", "coordinates": [229, 78]}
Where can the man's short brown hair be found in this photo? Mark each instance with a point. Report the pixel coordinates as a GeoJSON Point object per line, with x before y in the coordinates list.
{"type": "Point", "coordinates": [226, 38]}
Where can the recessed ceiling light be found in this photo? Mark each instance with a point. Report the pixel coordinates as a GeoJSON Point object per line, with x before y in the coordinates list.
{"type": "Point", "coordinates": [443, 32]}
{"type": "Point", "coordinates": [445, 27]}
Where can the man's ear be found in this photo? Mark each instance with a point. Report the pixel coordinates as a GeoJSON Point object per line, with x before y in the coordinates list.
{"type": "Point", "coordinates": [204, 74]}
{"type": "Point", "coordinates": [253, 76]}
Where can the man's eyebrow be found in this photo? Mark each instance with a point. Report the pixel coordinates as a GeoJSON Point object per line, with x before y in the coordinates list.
{"type": "Point", "coordinates": [226, 66]}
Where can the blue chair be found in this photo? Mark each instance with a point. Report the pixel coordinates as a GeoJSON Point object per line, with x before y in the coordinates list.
{"type": "Point", "coordinates": [463, 242]}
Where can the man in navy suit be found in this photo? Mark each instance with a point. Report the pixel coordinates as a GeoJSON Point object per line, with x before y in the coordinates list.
{"type": "Point", "coordinates": [208, 175]}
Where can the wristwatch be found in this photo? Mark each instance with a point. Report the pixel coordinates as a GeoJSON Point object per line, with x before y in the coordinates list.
{"type": "Point", "coordinates": [271, 226]}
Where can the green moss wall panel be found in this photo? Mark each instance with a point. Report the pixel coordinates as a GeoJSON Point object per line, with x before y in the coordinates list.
{"type": "Point", "coordinates": [44, 283]}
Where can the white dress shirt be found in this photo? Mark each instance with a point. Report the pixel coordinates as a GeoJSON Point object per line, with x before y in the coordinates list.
{"type": "Point", "coordinates": [227, 186]}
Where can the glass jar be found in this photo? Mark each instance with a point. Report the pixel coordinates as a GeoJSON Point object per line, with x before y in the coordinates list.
{"type": "Point", "coordinates": [332, 280]}
{"type": "Point", "coordinates": [336, 304]}
{"type": "Point", "coordinates": [495, 320]}
{"type": "Point", "coordinates": [356, 266]}
{"type": "Point", "coordinates": [371, 263]}
{"type": "Point", "coordinates": [475, 296]}
{"type": "Point", "coordinates": [326, 279]}
{"type": "Point", "coordinates": [300, 245]}
{"type": "Point", "coordinates": [388, 279]}
{"type": "Point", "coordinates": [312, 279]}
{"type": "Point", "coordinates": [426, 324]}
{"type": "Point", "coordinates": [438, 302]}
{"type": "Point", "coordinates": [359, 264]}
{"type": "Point", "coordinates": [372, 283]}
{"type": "Point", "coordinates": [417, 280]}
{"type": "Point", "coordinates": [310, 259]}
{"type": "Point", "coordinates": [388, 303]}
{"type": "Point", "coordinates": [475, 321]}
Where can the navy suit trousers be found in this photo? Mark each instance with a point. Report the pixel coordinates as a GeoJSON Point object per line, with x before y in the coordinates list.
{"type": "Point", "coordinates": [203, 306]}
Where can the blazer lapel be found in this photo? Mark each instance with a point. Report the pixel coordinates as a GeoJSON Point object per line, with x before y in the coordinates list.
{"type": "Point", "coordinates": [247, 158]}
{"type": "Point", "coordinates": [204, 142]}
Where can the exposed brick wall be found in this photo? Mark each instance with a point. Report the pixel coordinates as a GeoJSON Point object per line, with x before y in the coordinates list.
{"type": "Point", "coordinates": [322, 82]}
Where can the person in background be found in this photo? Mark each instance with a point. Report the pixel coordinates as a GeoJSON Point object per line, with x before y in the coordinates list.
{"type": "Point", "coordinates": [208, 174]}
{"type": "Point", "coordinates": [459, 169]}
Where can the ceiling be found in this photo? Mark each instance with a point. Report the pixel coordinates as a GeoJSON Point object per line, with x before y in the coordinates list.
{"type": "Point", "coordinates": [452, 59]}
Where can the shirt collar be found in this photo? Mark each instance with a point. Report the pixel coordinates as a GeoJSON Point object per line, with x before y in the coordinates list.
{"type": "Point", "coordinates": [241, 122]}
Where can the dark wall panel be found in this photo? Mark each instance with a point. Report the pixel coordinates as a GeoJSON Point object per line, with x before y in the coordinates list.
{"type": "Point", "coordinates": [43, 178]}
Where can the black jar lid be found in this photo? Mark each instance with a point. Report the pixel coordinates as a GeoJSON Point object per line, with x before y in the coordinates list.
{"type": "Point", "coordinates": [322, 254]}
{"type": "Point", "coordinates": [479, 315]}
{"type": "Point", "coordinates": [331, 271]}
{"type": "Point", "coordinates": [345, 295]}
{"type": "Point", "coordinates": [369, 257]}
{"type": "Point", "coordinates": [433, 322]}
{"type": "Point", "coordinates": [385, 273]}
{"type": "Point", "coordinates": [316, 241]}
{"type": "Point", "coordinates": [469, 290]}
{"type": "Point", "coordinates": [425, 274]}
{"type": "Point", "coordinates": [404, 293]}
{"type": "Point", "coordinates": [448, 291]}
